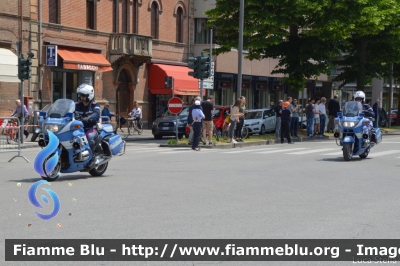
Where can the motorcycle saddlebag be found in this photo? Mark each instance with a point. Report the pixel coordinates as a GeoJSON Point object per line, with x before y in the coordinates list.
{"type": "Point", "coordinates": [115, 143]}
{"type": "Point", "coordinates": [376, 135]}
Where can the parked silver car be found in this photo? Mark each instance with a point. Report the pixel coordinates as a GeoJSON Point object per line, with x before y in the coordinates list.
{"type": "Point", "coordinates": [260, 120]}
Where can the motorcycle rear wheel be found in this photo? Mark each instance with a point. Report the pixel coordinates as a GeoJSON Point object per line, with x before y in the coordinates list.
{"type": "Point", "coordinates": [347, 151]}
{"type": "Point", "coordinates": [99, 171]}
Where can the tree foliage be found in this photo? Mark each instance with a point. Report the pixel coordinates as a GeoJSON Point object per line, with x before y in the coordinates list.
{"type": "Point", "coordinates": [306, 35]}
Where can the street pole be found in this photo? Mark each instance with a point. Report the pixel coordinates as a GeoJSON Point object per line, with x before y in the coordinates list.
{"type": "Point", "coordinates": [240, 49]}
{"type": "Point", "coordinates": [391, 95]}
{"type": "Point", "coordinates": [211, 41]}
{"type": "Point", "coordinates": [176, 115]}
{"type": "Point", "coordinates": [22, 115]}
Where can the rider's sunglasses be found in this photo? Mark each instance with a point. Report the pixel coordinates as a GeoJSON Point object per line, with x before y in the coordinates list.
{"type": "Point", "coordinates": [84, 95]}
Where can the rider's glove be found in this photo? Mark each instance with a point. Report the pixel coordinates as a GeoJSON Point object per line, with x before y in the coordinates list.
{"type": "Point", "coordinates": [86, 119]}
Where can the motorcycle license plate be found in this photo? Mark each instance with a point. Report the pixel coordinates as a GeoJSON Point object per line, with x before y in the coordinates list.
{"type": "Point", "coordinates": [165, 128]}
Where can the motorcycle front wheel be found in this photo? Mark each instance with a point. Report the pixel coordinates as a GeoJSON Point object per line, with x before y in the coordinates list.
{"type": "Point", "coordinates": [347, 151]}
{"type": "Point", "coordinates": [100, 170]}
{"type": "Point", "coordinates": [54, 174]}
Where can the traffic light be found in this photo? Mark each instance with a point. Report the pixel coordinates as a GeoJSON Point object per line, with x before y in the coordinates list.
{"type": "Point", "coordinates": [24, 67]}
{"type": "Point", "coordinates": [168, 82]}
{"type": "Point", "coordinates": [205, 67]}
{"type": "Point", "coordinates": [193, 64]}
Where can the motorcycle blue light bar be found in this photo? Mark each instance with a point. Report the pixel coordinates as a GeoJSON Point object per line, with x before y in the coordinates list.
{"type": "Point", "coordinates": [43, 114]}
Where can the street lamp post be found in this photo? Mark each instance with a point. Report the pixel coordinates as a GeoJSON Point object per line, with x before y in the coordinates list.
{"type": "Point", "coordinates": [240, 48]}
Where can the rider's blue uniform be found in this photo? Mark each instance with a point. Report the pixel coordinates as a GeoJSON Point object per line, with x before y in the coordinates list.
{"type": "Point", "coordinates": [368, 111]}
{"type": "Point", "coordinates": [92, 110]}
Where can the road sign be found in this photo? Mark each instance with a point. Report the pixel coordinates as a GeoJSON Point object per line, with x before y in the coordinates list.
{"type": "Point", "coordinates": [175, 105]}
{"type": "Point", "coordinates": [51, 55]}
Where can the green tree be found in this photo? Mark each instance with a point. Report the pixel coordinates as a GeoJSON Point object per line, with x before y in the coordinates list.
{"type": "Point", "coordinates": [366, 32]}
{"type": "Point", "coordinates": [277, 29]}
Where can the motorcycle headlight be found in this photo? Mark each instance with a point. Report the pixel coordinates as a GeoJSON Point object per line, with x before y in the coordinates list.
{"type": "Point", "coordinates": [349, 124]}
{"type": "Point", "coordinates": [52, 128]}
{"type": "Point", "coordinates": [255, 123]}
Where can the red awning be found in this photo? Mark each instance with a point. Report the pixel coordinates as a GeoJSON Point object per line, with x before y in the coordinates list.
{"type": "Point", "coordinates": [183, 83]}
{"type": "Point", "coordinates": [84, 60]}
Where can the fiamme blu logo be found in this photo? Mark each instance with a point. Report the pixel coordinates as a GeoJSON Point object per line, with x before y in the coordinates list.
{"type": "Point", "coordinates": [45, 163]}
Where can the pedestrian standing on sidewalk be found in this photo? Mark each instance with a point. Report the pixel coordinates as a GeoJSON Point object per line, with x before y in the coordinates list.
{"type": "Point", "coordinates": [25, 115]}
{"type": "Point", "coordinates": [197, 116]}
{"type": "Point", "coordinates": [278, 111]}
{"type": "Point", "coordinates": [333, 109]}
{"type": "Point", "coordinates": [208, 110]}
{"type": "Point", "coordinates": [239, 126]}
{"type": "Point", "coordinates": [316, 117]}
{"type": "Point", "coordinates": [310, 117]}
{"type": "Point", "coordinates": [285, 119]}
{"type": "Point", "coordinates": [234, 119]}
{"type": "Point", "coordinates": [294, 122]}
{"type": "Point", "coordinates": [190, 119]}
{"type": "Point", "coordinates": [322, 116]}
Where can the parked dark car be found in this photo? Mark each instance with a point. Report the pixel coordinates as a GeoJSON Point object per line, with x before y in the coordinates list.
{"type": "Point", "coordinates": [393, 116]}
{"type": "Point", "coordinates": [165, 125]}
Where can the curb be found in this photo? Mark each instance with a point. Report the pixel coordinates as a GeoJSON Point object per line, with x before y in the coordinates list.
{"type": "Point", "coordinates": [246, 144]}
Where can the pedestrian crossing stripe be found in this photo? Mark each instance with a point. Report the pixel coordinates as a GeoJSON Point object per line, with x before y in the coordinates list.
{"type": "Point", "coordinates": [310, 151]}
{"type": "Point", "coordinates": [275, 151]}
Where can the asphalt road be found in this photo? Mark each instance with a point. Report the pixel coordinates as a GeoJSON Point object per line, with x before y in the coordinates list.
{"type": "Point", "coordinates": [300, 191]}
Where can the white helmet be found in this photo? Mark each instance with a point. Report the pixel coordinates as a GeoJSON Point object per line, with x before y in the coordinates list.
{"type": "Point", "coordinates": [87, 90]}
{"type": "Point", "coordinates": [359, 94]}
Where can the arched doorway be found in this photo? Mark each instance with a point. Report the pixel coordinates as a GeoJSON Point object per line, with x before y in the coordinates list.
{"type": "Point", "coordinates": [123, 94]}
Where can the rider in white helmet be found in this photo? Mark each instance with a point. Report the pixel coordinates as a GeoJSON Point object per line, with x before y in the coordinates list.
{"type": "Point", "coordinates": [89, 112]}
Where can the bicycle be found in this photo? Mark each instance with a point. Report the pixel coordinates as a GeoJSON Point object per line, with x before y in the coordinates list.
{"type": "Point", "coordinates": [132, 125]}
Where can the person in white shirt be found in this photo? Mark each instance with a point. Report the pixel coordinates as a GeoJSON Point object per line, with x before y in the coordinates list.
{"type": "Point", "coordinates": [322, 115]}
{"type": "Point", "coordinates": [198, 116]}
{"type": "Point", "coordinates": [316, 117]}
{"type": "Point", "coordinates": [137, 114]}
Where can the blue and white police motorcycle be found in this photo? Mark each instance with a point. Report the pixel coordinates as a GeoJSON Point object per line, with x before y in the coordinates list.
{"type": "Point", "coordinates": [73, 151]}
{"type": "Point", "coordinates": [355, 132]}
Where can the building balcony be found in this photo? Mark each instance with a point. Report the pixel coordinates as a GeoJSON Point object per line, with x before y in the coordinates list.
{"type": "Point", "coordinates": [136, 46]}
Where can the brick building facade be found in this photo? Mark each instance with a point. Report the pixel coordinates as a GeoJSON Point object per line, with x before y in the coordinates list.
{"type": "Point", "coordinates": [109, 44]}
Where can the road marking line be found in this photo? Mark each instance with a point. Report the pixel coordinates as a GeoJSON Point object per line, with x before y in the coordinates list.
{"type": "Point", "coordinates": [188, 150]}
{"type": "Point", "coordinates": [382, 153]}
{"type": "Point", "coordinates": [252, 150]}
{"type": "Point", "coordinates": [309, 151]}
{"type": "Point", "coordinates": [284, 150]}
{"type": "Point", "coordinates": [334, 153]}
{"type": "Point", "coordinates": [143, 149]}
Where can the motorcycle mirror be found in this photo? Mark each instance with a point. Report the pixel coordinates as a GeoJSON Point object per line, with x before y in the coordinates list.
{"type": "Point", "coordinates": [340, 114]}
{"type": "Point", "coordinates": [362, 114]}
{"type": "Point", "coordinates": [70, 115]}
{"type": "Point", "coordinates": [43, 114]}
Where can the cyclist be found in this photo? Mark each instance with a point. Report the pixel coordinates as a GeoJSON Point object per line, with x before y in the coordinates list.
{"type": "Point", "coordinates": [137, 115]}
{"type": "Point", "coordinates": [89, 112]}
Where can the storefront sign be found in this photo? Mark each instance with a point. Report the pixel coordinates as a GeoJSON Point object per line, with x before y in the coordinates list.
{"type": "Point", "coordinates": [278, 87]}
{"type": "Point", "coordinates": [51, 55]}
{"type": "Point", "coordinates": [225, 84]}
{"type": "Point", "coordinates": [88, 67]}
{"type": "Point", "coordinates": [262, 86]}
{"type": "Point", "coordinates": [246, 85]}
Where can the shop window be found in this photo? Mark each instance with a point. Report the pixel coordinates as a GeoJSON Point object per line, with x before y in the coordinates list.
{"type": "Point", "coordinates": [53, 11]}
{"type": "Point", "coordinates": [154, 20]}
{"type": "Point", "coordinates": [179, 25]}
{"type": "Point", "coordinates": [91, 14]}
